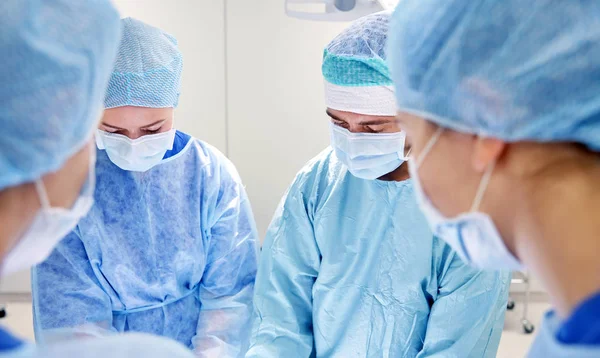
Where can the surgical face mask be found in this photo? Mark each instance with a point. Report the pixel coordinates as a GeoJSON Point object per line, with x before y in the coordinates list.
{"type": "Point", "coordinates": [136, 155]}
{"type": "Point", "coordinates": [50, 225]}
{"type": "Point", "coordinates": [368, 155]}
{"type": "Point", "coordinates": [335, 10]}
{"type": "Point", "coordinates": [472, 235]}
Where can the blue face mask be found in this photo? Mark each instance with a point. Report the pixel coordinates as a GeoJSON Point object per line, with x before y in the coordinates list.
{"type": "Point", "coordinates": [368, 155]}
{"type": "Point", "coordinates": [473, 235]}
{"type": "Point", "coordinates": [137, 155]}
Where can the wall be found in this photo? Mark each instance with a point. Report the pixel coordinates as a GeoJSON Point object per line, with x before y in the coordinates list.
{"type": "Point", "coordinates": [276, 110]}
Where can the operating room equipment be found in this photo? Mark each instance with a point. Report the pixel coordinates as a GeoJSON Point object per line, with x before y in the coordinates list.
{"type": "Point", "coordinates": [335, 10]}
{"type": "Point", "coordinates": [522, 278]}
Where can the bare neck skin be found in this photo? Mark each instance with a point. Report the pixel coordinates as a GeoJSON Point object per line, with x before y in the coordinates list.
{"type": "Point", "coordinates": [399, 174]}
{"type": "Point", "coordinates": [18, 206]}
{"type": "Point", "coordinates": [552, 217]}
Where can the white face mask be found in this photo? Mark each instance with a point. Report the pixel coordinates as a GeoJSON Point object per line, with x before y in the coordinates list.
{"type": "Point", "coordinates": [50, 225]}
{"type": "Point", "coordinates": [137, 155]}
{"type": "Point", "coordinates": [368, 155]}
{"type": "Point", "coordinates": [472, 235]}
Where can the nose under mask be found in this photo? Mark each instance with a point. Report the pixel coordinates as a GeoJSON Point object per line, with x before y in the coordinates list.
{"type": "Point", "coordinates": [138, 155]}
{"type": "Point", "coordinates": [368, 155]}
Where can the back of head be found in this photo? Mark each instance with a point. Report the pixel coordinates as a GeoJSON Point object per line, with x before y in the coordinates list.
{"type": "Point", "coordinates": [514, 70]}
{"type": "Point", "coordinates": [147, 72]}
{"type": "Point", "coordinates": [56, 59]}
{"type": "Point", "coordinates": [354, 67]}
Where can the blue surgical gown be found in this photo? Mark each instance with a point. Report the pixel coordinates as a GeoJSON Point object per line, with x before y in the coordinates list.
{"type": "Point", "coordinates": [171, 251]}
{"type": "Point", "coordinates": [577, 336]}
{"type": "Point", "coordinates": [349, 268]}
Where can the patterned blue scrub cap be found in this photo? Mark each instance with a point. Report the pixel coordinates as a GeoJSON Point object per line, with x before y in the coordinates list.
{"type": "Point", "coordinates": [147, 72]}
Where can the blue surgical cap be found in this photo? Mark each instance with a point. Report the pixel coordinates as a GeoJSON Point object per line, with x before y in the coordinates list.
{"type": "Point", "coordinates": [147, 72]}
{"type": "Point", "coordinates": [356, 75]}
{"type": "Point", "coordinates": [356, 57]}
{"type": "Point", "coordinates": [511, 69]}
{"type": "Point", "coordinates": [56, 57]}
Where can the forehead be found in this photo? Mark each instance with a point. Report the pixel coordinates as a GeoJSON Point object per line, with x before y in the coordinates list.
{"type": "Point", "coordinates": [130, 115]}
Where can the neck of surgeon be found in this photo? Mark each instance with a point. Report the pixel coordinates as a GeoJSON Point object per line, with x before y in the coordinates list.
{"type": "Point", "coordinates": [399, 174]}
{"type": "Point", "coordinates": [18, 205]}
{"type": "Point", "coordinates": [553, 218]}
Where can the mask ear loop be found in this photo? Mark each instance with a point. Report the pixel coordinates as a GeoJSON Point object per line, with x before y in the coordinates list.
{"type": "Point", "coordinates": [91, 180]}
{"type": "Point", "coordinates": [485, 180]}
{"type": "Point", "coordinates": [429, 146]}
{"type": "Point", "coordinates": [42, 194]}
{"type": "Point", "coordinates": [92, 169]}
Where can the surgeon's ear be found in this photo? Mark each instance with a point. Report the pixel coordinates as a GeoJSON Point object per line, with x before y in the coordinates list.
{"type": "Point", "coordinates": [486, 151]}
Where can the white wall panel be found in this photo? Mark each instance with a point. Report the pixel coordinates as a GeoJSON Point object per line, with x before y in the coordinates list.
{"type": "Point", "coordinates": [276, 109]}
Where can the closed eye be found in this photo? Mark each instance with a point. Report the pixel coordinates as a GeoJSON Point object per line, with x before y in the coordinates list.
{"type": "Point", "coordinates": [110, 129]}
{"type": "Point", "coordinates": [375, 128]}
{"type": "Point", "coordinates": [372, 130]}
{"type": "Point", "coordinates": [116, 131]}
{"type": "Point", "coordinates": [339, 123]}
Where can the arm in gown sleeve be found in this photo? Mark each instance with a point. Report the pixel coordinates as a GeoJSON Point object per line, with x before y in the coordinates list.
{"type": "Point", "coordinates": [68, 300]}
{"type": "Point", "coordinates": [227, 285]}
{"type": "Point", "coordinates": [467, 318]}
{"type": "Point", "coordinates": [289, 266]}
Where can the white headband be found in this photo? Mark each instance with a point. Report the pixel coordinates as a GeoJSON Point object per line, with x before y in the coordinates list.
{"type": "Point", "coordinates": [371, 100]}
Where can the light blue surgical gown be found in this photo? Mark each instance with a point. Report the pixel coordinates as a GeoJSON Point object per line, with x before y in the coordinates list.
{"type": "Point", "coordinates": [349, 268]}
{"type": "Point", "coordinates": [171, 251]}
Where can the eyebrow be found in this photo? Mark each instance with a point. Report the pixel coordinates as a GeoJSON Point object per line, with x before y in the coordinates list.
{"type": "Point", "coordinates": [334, 116]}
{"type": "Point", "coordinates": [111, 127]}
{"type": "Point", "coordinates": [376, 122]}
{"type": "Point", "coordinates": [148, 126]}
{"type": "Point", "coordinates": [155, 123]}
{"type": "Point", "coordinates": [373, 122]}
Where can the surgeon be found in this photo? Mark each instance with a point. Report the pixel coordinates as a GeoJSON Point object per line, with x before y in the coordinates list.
{"type": "Point", "coordinates": [504, 100]}
{"type": "Point", "coordinates": [349, 267]}
{"type": "Point", "coordinates": [169, 247]}
{"type": "Point", "coordinates": [56, 61]}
